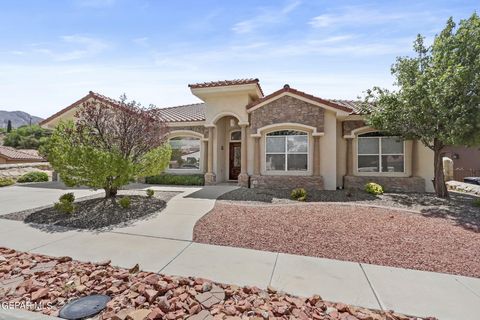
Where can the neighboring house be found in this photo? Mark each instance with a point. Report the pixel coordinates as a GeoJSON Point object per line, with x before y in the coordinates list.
{"type": "Point", "coordinates": [9, 155]}
{"type": "Point", "coordinates": [286, 139]}
{"type": "Point", "coordinates": [466, 161]}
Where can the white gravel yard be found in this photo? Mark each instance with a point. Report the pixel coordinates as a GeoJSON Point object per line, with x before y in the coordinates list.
{"type": "Point", "coordinates": [383, 236]}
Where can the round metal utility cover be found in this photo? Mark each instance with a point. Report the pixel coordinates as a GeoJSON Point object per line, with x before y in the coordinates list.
{"type": "Point", "coordinates": [84, 307]}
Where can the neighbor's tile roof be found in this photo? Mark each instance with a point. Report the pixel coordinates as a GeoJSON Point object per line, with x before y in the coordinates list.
{"type": "Point", "coordinates": [355, 105]}
{"type": "Point", "coordinates": [189, 112]}
{"type": "Point", "coordinates": [224, 83]}
{"type": "Point", "coordinates": [14, 154]}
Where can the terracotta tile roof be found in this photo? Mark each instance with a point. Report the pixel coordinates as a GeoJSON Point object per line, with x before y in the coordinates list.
{"type": "Point", "coordinates": [286, 88]}
{"type": "Point", "coordinates": [225, 83]}
{"type": "Point", "coordinates": [355, 105]}
{"type": "Point", "coordinates": [189, 112]}
{"type": "Point", "coordinates": [14, 154]}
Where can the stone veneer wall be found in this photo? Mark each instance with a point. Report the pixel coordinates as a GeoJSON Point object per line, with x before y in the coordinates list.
{"type": "Point", "coordinates": [349, 126]}
{"type": "Point", "coordinates": [389, 184]}
{"type": "Point", "coordinates": [287, 109]}
{"type": "Point", "coordinates": [286, 182]}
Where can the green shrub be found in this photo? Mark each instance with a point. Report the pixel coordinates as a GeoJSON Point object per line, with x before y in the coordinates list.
{"type": "Point", "coordinates": [64, 206]}
{"type": "Point", "coordinates": [34, 176]}
{"type": "Point", "coordinates": [176, 179]}
{"type": "Point", "coordinates": [68, 197]}
{"type": "Point", "coordinates": [6, 182]}
{"type": "Point", "coordinates": [374, 188]}
{"type": "Point", "coordinates": [150, 192]}
{"type": "Point", "coordinates": [299, 194]}
{"type": "Point", "coordinates": [124, 202]}
{"type": "Point", "coordinates": [476, 202]}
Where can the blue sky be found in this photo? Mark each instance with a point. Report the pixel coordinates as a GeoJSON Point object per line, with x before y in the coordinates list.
{"type": "Point", "coordinates": [53, 52]}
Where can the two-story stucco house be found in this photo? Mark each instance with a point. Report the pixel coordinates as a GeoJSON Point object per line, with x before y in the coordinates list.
{"type": "Point", "coordinates": [285, 139]}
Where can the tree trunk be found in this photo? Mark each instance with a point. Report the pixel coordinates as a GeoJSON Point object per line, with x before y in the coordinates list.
{"type": "Point", "coordinates": [439, 181]}
{"type": "Point", "coordinates": [110, 192]}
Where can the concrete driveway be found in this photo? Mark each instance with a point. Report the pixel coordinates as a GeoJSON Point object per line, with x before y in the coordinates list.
{"type": "Point", "coordinates": [26, 196]}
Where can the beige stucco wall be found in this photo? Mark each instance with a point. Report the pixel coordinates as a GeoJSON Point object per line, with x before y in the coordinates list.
{"type": "Point", "coordinates": [423, 164]}
{"type": "Point", "coordinates": [231, 104]}
{"type": "Point", "coordinates": [328, 152]}
{"type": "Point", "coordinates": [68, 115]}
{"type": "Point", "coordinates": [341, 155]}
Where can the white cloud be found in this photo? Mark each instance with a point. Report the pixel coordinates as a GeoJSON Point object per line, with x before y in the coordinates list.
{"type": "Point", "coordinates": [267, 16]}
{"type": "Point", "coordinates": [367, 15]}
{"type": "Point", "coordinates": [73, 47]}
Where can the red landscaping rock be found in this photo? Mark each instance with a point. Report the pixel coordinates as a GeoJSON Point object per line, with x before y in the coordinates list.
{"type": "Point", "coordinates": [148, 296]}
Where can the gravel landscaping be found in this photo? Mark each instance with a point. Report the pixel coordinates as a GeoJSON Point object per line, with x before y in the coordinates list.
{"type": "Point", "coordinates": [382, 236]}
{"type": "Point", "coordinates": [459, 208]}
{"type": "Point", "coordinates": [49, 283]}
{"type": "Point", "coordinates": [95, 212]}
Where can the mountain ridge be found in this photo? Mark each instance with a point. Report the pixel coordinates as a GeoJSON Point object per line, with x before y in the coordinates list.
{"type": "Point", "coordinates": [18, 118]}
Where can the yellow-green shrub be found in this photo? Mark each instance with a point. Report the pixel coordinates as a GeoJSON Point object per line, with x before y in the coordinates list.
{"type": "Point", "coordinates": [299, 194]}
{"type": "Point", "coordinates": [374, 188]}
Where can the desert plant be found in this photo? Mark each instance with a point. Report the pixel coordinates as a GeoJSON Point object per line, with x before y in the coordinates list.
{"type": "Point", "coordinates": [124, 202]}
{"type": "Point", "coordinates": [69, 197]}
{"type": "Point", "coordinates": [6, 182]}
{"type": "Point", "coordinates": [374, 188]}
{"type": "Point", "coordinates": [299, 194]}
{"type": "Point", "coordinates": [33, 176]}
{"type": "Point", "coordinates": [476, 202]}
{"type": "Point", "coordinates": [110, 145]}
{"type": "Point", "coordinates": [190, 179]}
{"type": "Point", "coordinates": [64, 206]}
{"type": "Point", "coordinates": [150, 192]}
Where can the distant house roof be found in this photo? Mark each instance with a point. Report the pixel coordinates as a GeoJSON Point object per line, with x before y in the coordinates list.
{"type": "Point", "coordinates": [226, 83]}
{"type": "Point", "coordinates": [14, 154]}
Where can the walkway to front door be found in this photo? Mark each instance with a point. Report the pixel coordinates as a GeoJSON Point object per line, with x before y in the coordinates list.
{"type": "Point", "coordinates": [234, 160]}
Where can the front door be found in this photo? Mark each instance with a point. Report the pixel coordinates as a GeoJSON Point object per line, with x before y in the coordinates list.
{"type": "Point", "coordinates": [235, 160]}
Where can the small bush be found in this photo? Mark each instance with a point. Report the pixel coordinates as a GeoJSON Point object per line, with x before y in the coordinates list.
{"type": "Point", "coordinates": [476, 202]}
{"type": "Point", "coordinates": [176, 179]}
{"type": "Point", "coordinates": [34, 176]}
{"type": "Point", "coordinates": [6, 182]}
{"type": "Point", "coordinates": [150, 193]}
{"type": "Point", "coordinates": [68, 197]}
{"type": "Point", "coordinates": [373, 188]}
{"type": "Point", "coordinates": [299, 194]}
{"type": "Point", "coordinates": [124, 202]}
{"type": "Point", "coordinates": [64, 206]}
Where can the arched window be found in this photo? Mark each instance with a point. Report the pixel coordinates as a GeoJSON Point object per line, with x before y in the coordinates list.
{"type": "Point", "coordinates": [235, 136]}
{"type": "Point", "coordinates": [286, 150]}
{"type": "Point", "coordinates": [185, 153]}
{"type": "Point", "coordinates": [379, 153]}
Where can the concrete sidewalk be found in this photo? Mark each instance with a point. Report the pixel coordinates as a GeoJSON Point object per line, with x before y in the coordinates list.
{"type": "Point", "coordinates": [163, 244]}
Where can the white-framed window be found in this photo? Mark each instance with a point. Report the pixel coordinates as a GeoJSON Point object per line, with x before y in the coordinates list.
{"type": "Point", "coordinates": [185, 153]}
{"type": "Point", "coordinates": [379, 153]}
{"type": "Point", "coordinates": [236, 135]}
{"type": "Point", "coordinates": [286, 150]}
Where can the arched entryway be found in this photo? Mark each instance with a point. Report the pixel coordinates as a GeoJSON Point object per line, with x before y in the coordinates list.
{"type": "Point", "coordinates": [227, 152]}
